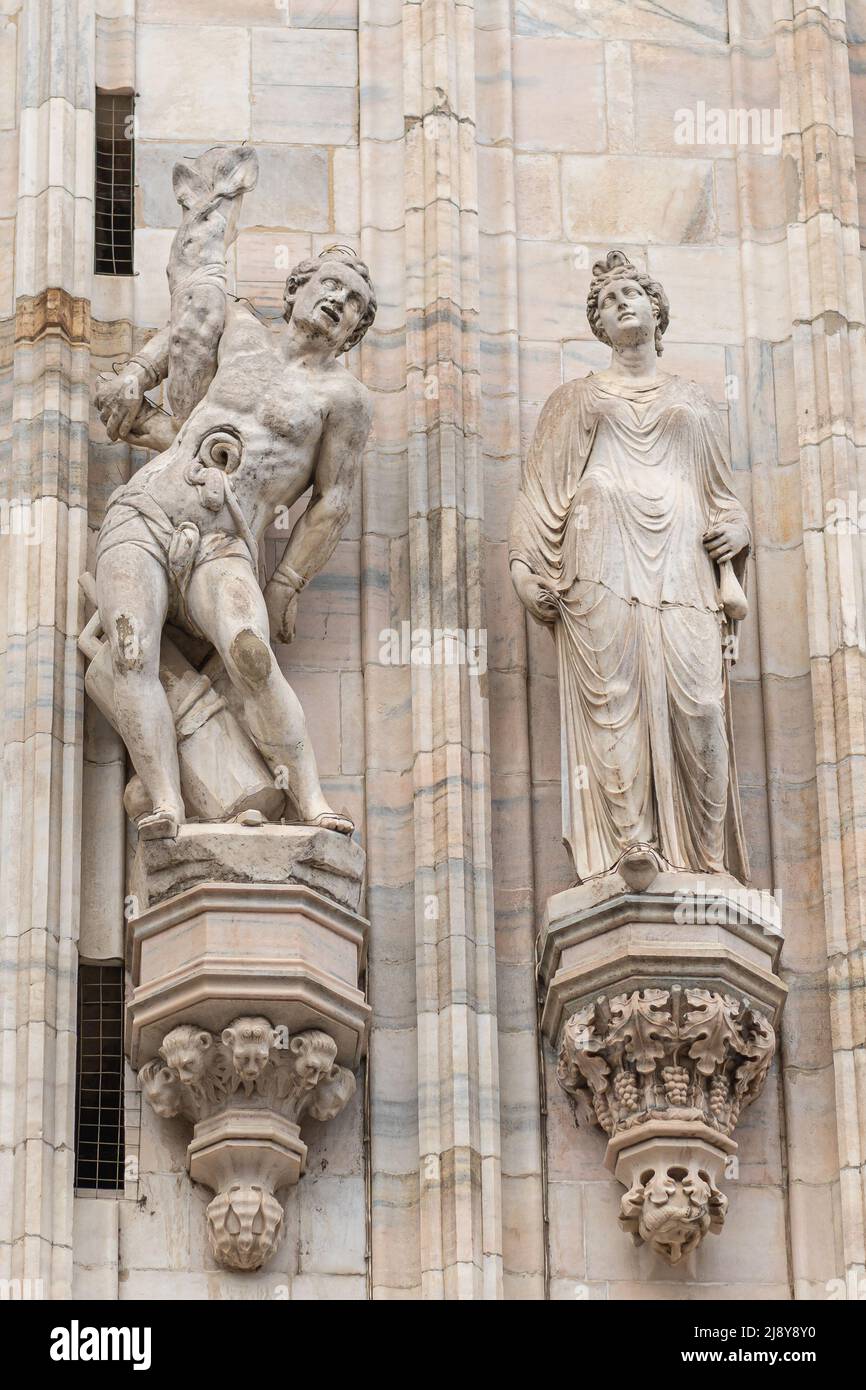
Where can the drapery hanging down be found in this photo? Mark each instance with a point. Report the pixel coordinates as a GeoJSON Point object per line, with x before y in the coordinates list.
{"type": "Point", "coordinates": [620, 484]}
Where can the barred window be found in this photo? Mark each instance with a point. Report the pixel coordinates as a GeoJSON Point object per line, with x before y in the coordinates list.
{"type": "Point", "coordinates": [99, 1136]}
{"type": "Point", "coordinates": [113, 192]}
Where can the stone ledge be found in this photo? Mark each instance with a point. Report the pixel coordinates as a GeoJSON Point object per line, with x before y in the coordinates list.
{"type": "Point", "coordinates": [52, 310]}
{"type": "Point", "coordinates": [601, 938]}
{"type": "Point", "coordinates": [331, 864]}
{"type": "Point", "coordinates": [218, 949]}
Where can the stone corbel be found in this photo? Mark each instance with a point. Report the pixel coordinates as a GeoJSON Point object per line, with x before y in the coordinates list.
{"type": "Point", "coordinates": [666, 1073]}
{"type": "Point", "coordinates": [246, 1092]}
{"type": "Point", "coordinates": [662, 1006]}
{"type": "Point", "coordinates": [246, 1007]}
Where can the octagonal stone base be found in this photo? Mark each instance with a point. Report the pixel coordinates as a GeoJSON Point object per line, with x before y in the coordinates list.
{"type": "Point", "coordinates": [692, 930]}
{"type": "Point", "coordinates": [229, 853]}
{"type": "Point", "coordinates": [259, 924]}
{"type": "Point", "coordinates": [246, 1012]}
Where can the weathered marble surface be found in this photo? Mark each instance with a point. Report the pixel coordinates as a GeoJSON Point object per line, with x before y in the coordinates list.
{"type": "Point", "coordinates": [761, 258]}
{"type": "Point", "coordinates": [330, 864]}
{"type": "Point", "coordinates": [662, 1002]}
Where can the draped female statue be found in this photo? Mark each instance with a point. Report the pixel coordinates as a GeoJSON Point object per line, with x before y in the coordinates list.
{"type": "Point", "coordinates": [628, 541]}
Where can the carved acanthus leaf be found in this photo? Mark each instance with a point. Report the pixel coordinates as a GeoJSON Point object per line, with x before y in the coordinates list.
{"type": "Point", "coordinates": [683, 1056]}
{"type": "Point", "coordinates": [641, 1027]}
{"type": "Point", "coordinates": [710, 1028]}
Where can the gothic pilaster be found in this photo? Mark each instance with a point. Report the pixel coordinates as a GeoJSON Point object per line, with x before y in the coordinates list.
{"type": "Point", "coordinates": [826, 288]}
{"type": "Point", "coordinates": [458, 1082]}
{"type": "Point", "coordinates": [46, 479]}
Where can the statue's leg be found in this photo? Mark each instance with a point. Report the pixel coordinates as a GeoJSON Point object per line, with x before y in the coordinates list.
{"type": "Point", "coordinates": [132, 592]}
{"type": "Point", "coordinates": [691, 648]}
{"type": "Point", "coordinates": [609, 798]}
{"type": "Point", "coordinates": [226, 603]}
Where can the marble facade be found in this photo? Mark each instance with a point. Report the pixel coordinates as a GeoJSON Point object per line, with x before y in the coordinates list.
{"type": "Point", "coordinates": [480, 159]}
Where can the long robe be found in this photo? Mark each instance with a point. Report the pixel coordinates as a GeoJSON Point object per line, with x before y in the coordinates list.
{"type": "Point", "coordinates": [618, 488]}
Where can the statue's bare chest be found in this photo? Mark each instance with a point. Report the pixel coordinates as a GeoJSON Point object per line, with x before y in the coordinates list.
{"type": "Point", "coordinates": [285, 403]}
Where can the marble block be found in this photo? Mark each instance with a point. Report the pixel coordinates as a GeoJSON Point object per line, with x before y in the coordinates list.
{"type": "Point", "coordinates": [603, 937]}
{"type": "Point", "coordinates": [259, 920]}
{"type": "Point", "coordinates": [331, 864]}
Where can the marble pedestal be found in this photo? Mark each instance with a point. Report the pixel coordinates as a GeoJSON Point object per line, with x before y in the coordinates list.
{"type": "Point", "coordinates": [662, 1005]}
{"type": "Point", "coordinates": [246, 1012]}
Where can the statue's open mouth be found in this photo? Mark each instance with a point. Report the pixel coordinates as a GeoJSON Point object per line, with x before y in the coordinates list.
{"type": "Point", "coordinates": [332, 313]}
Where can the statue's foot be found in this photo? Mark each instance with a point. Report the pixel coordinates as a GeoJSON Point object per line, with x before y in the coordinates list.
{"type": "Point", "coordinates": [161, 824]}
{"type": "Point", "coordinates": [639, 866]}
{"type": "Point", "coordinates": [329, 820]}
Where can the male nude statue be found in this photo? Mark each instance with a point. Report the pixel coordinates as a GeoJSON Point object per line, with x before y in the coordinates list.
{"type": "Point", "coordinates": [180, 540]}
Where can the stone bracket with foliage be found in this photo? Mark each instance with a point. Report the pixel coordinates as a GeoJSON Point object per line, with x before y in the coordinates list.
{"type": "Point", "coordinates": [662, 1007]}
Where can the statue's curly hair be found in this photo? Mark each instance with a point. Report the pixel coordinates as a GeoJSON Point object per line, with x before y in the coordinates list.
{"type": "Point", "coordinates": [617, 266]}
{"type": "Point", "coordinates": [303, 271]}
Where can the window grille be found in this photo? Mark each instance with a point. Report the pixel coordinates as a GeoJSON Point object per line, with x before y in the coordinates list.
{"type": "Point", "coordinates": [113, 192]}
{"type": "Point", "coordinates": [99, 1132]}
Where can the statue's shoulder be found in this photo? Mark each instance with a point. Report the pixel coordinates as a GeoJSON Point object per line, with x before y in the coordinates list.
{"type": "Point", "coordinates": [566, 402]}
{"type": "Point", "coordinates": [242, 322]}
{"type": "Point", "coordinates": [349, 398]}
{"type": "Point", "coordinates": [574, 390]}
{"type": "Point", "coordinates": [571, 395]}
{"type": "Point", "coordinates": [693, 392]}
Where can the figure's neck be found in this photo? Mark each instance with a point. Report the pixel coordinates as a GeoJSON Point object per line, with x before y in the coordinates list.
{"type": "Point", "coordinates": [639, 360]}
{"type": "Point", "coordinates": [308, 349]}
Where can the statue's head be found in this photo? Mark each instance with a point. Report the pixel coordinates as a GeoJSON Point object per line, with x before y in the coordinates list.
{"type": "Point", "coordinates": [625, 306]}
{"type": "Point", "coordinates": [332, 296]}
{"type": "Point", "coordinates": [671, 1210]}
{"type": "Point", "coordinates": [162, 1088]}
{"type": "Point", "coordinates": [250, 1041]}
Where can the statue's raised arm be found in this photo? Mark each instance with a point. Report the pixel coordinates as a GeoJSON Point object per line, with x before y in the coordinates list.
{"type": "Point", "coordinates": [209, 189]}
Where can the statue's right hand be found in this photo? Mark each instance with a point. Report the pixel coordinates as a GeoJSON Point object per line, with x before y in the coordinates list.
{"type": "Point", "coordinates": [538, 596]}
{"type": "Point", "coordinates": [119, 398]}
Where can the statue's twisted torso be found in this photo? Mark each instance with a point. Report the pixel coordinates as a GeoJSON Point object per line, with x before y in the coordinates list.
{"type": "Point", "coordinates": [261, 413]}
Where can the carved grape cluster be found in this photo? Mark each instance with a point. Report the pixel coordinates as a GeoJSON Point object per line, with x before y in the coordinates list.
{"type": "Point", "coordinates": [626, 1090]}
{"type": "Point", "coordinates": [676, 1083]}
{"type": "Point", "coordinates": [719, 1096]}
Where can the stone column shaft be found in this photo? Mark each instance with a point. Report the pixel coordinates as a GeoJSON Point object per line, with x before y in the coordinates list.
{"type": "Point", "coordinates": [830, 374]}
{"type": "Point", "coordinates": [40, 816]}
{"type": "Point", "coordinates": [455, 969]}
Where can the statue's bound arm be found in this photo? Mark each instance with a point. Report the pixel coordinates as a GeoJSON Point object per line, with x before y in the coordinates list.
{"type": "Point", "coordinates": [121, 402]}
{"type": "Point", "coordinates": [318, 529]}
{"type": "Point", "coordinates": [210, 190]}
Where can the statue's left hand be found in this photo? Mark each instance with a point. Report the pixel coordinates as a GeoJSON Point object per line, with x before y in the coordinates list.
{"type": "Point", "coordinates": [726, 539]}
{"type": "Point", "coordinates": [282, 606]}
